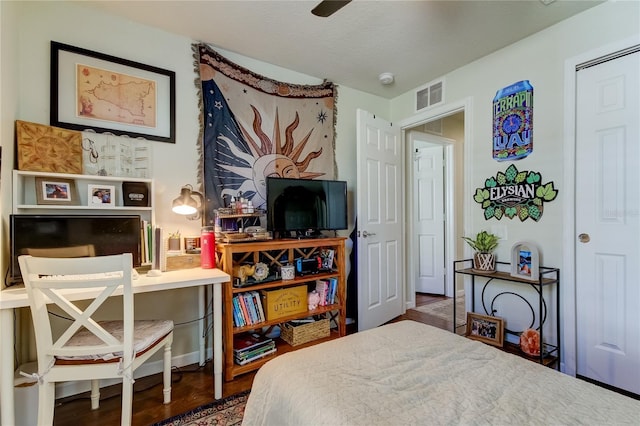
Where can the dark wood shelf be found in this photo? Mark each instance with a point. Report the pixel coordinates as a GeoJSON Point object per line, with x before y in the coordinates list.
{"type": "Point", "coordinates": [547, 277]}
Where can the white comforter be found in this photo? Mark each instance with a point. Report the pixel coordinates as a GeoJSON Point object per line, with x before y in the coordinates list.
{"type": "Point", "coordinates": [408, 373]}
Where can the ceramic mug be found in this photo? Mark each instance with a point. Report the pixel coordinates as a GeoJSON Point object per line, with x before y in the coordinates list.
{"type": "Point", "coordinates": [288, 272]}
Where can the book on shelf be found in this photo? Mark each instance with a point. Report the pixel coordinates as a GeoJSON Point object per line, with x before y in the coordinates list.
{"type": "Point", "coordinates": [247, 309]}
{"type": "Point", "coordinates": [258, 301]}
{"type": "Point", "coordinates": [322, 287]}
{"type": "Point", "coordinates": [333, 286]}
{"type": "Point", "coordinates": [253, 352]}
{"type": "Point", "coordinates": [251, 310]}
{"type": "Point", "coordinates": [262, 355]}
{"type": "Point", "coordinates": [246, 341]}
{"type": "Point", "coordinates": [248, 347]}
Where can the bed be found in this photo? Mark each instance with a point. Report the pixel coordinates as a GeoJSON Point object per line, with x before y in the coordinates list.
{"type": "Point", "coordinates": [409, 373]}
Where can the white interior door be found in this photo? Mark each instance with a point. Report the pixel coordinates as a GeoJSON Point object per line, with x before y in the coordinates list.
{"type": "Point", "coordinates": [428, 211]}
{"type": "Point", "coordinates": [607, 223]}
{"type": "Point", "coordinates": [380, 204]}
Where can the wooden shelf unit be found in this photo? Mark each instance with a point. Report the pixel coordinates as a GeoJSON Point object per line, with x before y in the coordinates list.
{"type": "Point", "coordinates": [276, 253]}
{"type": "Point", "coordinates": [550, 353]}
{"type": "Point", "coordinates": [24, 195]}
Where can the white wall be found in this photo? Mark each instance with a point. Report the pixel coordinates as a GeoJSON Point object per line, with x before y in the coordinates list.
{"type": "Point", "coordinates": [28, 28]}
{"type": "Point", "coordinates": [540, 59]}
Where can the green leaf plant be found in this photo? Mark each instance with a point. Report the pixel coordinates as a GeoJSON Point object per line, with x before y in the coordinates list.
{"type": "Point", "coordinates": [483, 243]}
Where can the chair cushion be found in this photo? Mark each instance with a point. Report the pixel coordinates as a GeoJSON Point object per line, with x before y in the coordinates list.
{"type": "Point", "coordinates": [145, 334]}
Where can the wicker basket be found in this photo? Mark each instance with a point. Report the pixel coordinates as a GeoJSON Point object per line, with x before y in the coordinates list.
{"type": "Point", "coordinates": [297, 335]}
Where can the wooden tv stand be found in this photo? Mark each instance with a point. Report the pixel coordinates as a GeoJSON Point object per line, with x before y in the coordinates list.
{"type": "Point", "coordinates": [276, 253]}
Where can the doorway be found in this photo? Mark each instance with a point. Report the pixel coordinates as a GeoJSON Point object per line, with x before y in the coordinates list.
{"type": "Point", "coordinates": [435, 214]}
{"type": "Point", "coordinates": [429, 164]}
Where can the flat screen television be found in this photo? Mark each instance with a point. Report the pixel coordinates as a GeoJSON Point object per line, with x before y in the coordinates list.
{"type": "Point", "coordinates": [107, 234]}
{"type": "Point", "coordinates": [305, 206]}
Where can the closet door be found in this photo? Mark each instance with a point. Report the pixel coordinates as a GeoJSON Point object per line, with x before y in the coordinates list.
{"type": "Point", "coordinates": [608, 223]}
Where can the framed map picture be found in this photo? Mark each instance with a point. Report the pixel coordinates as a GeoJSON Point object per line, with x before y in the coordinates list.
{"type": "Point", "coordinates": [94, 91]}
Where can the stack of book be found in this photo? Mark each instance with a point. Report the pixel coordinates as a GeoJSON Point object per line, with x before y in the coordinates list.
{"type": "Point", "coordinates": [248, 347]}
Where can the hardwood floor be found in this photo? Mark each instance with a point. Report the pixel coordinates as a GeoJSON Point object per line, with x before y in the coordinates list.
{"type": "Point", "coordinates": [191, 388]}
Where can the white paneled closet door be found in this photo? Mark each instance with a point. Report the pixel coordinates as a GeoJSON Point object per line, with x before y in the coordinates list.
{"type": "Point", "coordinates": [608, 222]}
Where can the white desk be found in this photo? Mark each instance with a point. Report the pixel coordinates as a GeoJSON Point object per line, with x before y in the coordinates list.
{"type": "Point", "coordinates": [16, 297]}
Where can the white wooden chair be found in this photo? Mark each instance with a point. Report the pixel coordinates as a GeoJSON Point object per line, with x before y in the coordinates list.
{"type": "Point", "coordinates": [88, 349]}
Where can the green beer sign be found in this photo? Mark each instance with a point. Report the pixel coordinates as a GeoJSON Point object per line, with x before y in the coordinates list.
{"type": "Point", "coordinates": [515, 194]}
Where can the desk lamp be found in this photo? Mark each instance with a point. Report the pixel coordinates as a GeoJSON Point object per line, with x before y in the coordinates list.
{"type": "Point", "coordinates": [186, 205]}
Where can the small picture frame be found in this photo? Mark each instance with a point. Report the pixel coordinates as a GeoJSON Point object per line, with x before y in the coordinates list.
{"type": "Point", "coordinates": [485, 328]}
{"type": "Point", "coordinates": [525, 261]}
{"type": "Point", "coordinates": [101, 195]}
{"type": "Point", "coordinates": [56, 191]}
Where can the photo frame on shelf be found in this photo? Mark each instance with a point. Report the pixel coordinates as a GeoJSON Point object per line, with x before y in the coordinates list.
{"type": "Point", "coordinates": [101, 195]}
{"type": "Point", "coordinates": [485, 328]}
{"type": "Point", "coordinates": [56, 191]}
{"type": "Point", "coordinates": [84, 97]}
{"type": "Point", "coordinates": [525, 261]}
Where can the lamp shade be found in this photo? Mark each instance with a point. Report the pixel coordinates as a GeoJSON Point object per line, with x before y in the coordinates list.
{"type": "Point", "coordinates": [185, 204]}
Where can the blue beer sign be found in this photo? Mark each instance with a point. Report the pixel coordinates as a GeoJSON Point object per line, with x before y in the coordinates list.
{"type": "Point", "coordinates": [513, 122]}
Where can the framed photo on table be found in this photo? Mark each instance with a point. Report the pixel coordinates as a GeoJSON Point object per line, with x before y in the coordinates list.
{"type": "Point", "coordinates": [101, 195]}
{"type": "Point", "coordinates": [485, 328]}
{"type": "Point", "coordinates": [56, 191]}
{"type": "Point", "coordinates": [103, 93]}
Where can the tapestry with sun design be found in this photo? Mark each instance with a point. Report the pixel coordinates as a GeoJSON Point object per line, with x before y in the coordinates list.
{"type": "Point", "coordinates": [254, 127]}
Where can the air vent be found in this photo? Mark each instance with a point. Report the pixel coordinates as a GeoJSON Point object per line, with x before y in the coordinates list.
{"type": "Point", "coordinates": [430, 95]}
{"type": "Point", "coordinates": [434, 127]}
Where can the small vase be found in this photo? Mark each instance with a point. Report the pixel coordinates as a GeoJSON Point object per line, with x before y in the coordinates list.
{"type": "Point", "coordinates": [485, 262]}
{"type": "Point", "coordinates": [174, 244]}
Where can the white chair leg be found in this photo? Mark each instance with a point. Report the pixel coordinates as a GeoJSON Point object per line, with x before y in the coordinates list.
{"type": "Point", "coordinates": [46, 402]}
{"type": "Point", "coordinates": [127, 400]}
{"type": "Point", "coordinates": [166, 374]}
{"type": "Point", "coordinates": [95, 394]}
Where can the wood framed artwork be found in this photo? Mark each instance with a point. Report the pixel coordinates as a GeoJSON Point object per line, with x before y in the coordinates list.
{"type": "Point", "coordinates": [101, 195]}
{"type": "Point", "coordinates": [485, 328]}
{"type": "Point", "coordinates": [56, 191]}
{"type": "Point", "coordinates": [103, 93]}
{"type": "Point", "coordinates": [43, 148]}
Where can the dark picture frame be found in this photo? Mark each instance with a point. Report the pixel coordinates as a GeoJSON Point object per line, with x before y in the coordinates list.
{"type": "Point", "coordinates": [56, 191]}
{"type": "Point", "coordinates": [68, 112]}
{"type": "Point", "coordinates": [485, 328]}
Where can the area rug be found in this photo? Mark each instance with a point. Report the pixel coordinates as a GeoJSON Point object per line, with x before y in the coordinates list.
{"type": "Point", "coordinates": [226, 412]}
{"type": "Point", "coordinates": [444, 309]}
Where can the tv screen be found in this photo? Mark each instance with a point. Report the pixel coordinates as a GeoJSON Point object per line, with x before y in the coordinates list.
{"type": "Point", "coordinates": [39, 234]}
{"type": "Point", "coordinates": [306, 206]}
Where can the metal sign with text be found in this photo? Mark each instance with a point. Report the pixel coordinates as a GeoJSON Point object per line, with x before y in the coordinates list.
{"type": "Point", "coordinates": [515, 194]}
{"type": "Point", "coordinates": [513, 122]}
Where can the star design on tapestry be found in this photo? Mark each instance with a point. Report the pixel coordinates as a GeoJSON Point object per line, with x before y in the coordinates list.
{"type": "Point", "coordinates": [322, 117]}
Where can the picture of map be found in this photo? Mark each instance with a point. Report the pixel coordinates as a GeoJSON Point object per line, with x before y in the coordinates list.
{"type": "Point", "coordinates": [111, 96]}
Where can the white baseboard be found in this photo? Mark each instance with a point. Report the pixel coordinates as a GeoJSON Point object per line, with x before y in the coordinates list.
{"type": "Point", "coordinates": [64, 389]}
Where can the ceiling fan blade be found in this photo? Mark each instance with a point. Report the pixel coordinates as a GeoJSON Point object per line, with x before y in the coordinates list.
{"type": "Point", "coordinates": [329, 7]}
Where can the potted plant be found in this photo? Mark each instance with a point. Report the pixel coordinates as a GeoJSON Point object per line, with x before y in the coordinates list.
{"type": "Point", "coordinates": [484, 244]}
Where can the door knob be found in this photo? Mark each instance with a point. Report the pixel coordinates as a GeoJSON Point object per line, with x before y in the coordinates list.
{"type": "Point", "coordinates": [584, 238]}
{"type": "Point", "coordinates": [366, 234]}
